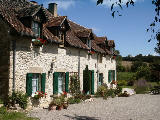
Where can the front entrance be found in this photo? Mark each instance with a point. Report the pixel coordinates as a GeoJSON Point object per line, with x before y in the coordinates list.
{"type": "Point", "coordinates": [100, 81]}
{"type": "Point", "coordinates": [88, 81]}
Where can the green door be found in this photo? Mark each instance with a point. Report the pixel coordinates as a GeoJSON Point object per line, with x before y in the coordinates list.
{"type": "Point", "coordinates": [92, 82]}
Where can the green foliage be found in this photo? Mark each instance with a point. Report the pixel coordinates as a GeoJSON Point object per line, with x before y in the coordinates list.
{"type": "Point", "coordinates": [141, 86]}
{"type": "Point", "coordinates": [143, 72]}
{"type": "Point", "coordinates": [123, 94]}
{"type": "Point", "coordinates": [120, 68]}
{"type": "Point", "coordinates": [101, 90]}
{"type": "Point", "coordinates": [136, 65]}
{"type": "Point", "coordinates": [104, 92]}
{"type": "Point", "coordinates": [74, 84]}
{"type": "Point", "coordinates": [1, 101]}
{"type": "Point", "coordinates": [122, 83]}
{"type": "Point", "coordinates": [18, 98]}
{"type": "Point", "coordinates": [73, 100]}
{"type": "Point", "coordinates": [5, 115]}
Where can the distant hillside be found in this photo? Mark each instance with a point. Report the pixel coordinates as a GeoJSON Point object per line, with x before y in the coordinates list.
{"type": "Point", "coordinates": [148, 59]}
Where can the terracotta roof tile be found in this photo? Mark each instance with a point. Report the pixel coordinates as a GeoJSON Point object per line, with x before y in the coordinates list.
{"type": "Point", "coordinates": [100, 40]}
{"type": "Point", "coordinates": [96, 48]}
{"type": "Point", "coordinates": [75, 41]}
{"type": "Point", "coordinates": [111, 43]}
{"type": "Point", "coordinates": [55, 21]}
{"type": "Point", "coordinates": [8, 14]}
{"type": "Point", "coordinates": [49, 36]}
{"type": "Point", "coordinates": [30, 11]}
{"type": "Point", "coordinates": [79, 30]}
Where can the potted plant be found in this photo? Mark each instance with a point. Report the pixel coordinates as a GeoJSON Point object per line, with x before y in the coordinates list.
{"type": "Point", "coordinates": [38, 42]}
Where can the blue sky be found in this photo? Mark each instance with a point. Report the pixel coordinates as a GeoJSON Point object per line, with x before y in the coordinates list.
{"type": "Point", "coordinates": [128, 30]}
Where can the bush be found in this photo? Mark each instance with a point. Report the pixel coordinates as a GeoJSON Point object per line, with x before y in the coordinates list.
{"type": "Point", "coordinates": [123, 94]}
{"type": "Point", "coordinates": [101, 90]}
{"type": "Point", "coordinates": [18, 98]}
{"type": "Point", "coordinates": [1, 101]}
{"type": "Point", "coordinates": [141, 86]}
{"type": "Point", "coordinates": [122, 83]}
{"type": "Point", "coordinates": [73, 100]}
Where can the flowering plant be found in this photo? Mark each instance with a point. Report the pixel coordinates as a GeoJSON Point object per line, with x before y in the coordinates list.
{"type": "Point", "coordinates": [39, 95]}
{"type": "Point", "coordinates": [38, 41]}
{"type": "Point", "coordinates": [113, 82]}
{"type": "Point", "coordinates": [91, 52]}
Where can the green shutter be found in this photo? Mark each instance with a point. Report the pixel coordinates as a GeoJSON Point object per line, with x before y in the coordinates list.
{"type": "Point", "coordinates": [92, 83]}
{"type": "Point", "coordinates": [55, 83]}
{"type": "Point", "coordinates": [67, 82]}
{"type": "Point", "coordinates": [29, 84]}
{"type": "Point", "coordinates": [43, 81]}
{"type": "Point", "coordinates": [109, 76]}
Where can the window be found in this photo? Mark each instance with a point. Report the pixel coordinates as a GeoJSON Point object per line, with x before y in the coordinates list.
{"type": "Point", "coordinates": [35, 82]}
{"type": "Point", "coordinates": [36, 28]}
{"type": "Point", "coordinates": [111, 50]}
{"type": "Point", "coordinates": [60, 82]}
{"type": "Point", "coordinates": [111, 75]}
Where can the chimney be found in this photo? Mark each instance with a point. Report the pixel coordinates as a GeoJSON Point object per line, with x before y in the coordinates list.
{"type": "Point", "coordinates": [52, 7]}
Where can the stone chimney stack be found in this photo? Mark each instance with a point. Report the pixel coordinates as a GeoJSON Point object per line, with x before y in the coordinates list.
{"type": "Point", "coordinates": [52, 7]}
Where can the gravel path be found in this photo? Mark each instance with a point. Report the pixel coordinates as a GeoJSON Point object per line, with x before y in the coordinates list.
{"type": "Point", "coordinates": [136, 107]}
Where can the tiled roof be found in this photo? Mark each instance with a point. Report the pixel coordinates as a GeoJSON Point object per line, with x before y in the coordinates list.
{"type": "Point", "coordinates": [96, 48]}
{"type": "Point", "coordinates": [49, 36]}
{"type": "Point", "coordinates": [30, 11]}
{"type": "Point", "coordinates": [100, 40]}
{"type": "Point", "coordinates": [75, 41]}
{"type": "Point", "coordinates": [9, 9]}
{"type": "Point", "coordinates": [7, 12]}
{"type": "Point", "coordinates": [79, 30]}
{"type": "Point", "coordinates": [56, 21]}
{"type": "Point", "coordinates": [111, 43]}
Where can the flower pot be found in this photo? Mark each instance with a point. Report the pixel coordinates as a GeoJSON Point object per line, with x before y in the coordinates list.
{"type": "Point", "coordinates": [65, 106]}
{"type": "Point", "coordinates": [59, 107]}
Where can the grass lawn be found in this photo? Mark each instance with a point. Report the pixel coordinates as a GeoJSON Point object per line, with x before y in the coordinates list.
{"type": "Point", "coordinates": [5, 115]}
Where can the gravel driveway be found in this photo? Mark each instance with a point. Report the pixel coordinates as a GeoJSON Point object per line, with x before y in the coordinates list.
{"type": "Point", "coordinates": [136, 107]}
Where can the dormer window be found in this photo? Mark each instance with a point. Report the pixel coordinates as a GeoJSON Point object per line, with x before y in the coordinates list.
{"type": "Point", "coordinates": [36, 28]}
{"type": "Point", "coordinates": [111, 50]}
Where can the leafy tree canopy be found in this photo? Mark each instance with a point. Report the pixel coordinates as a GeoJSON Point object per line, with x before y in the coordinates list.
{"type": "Point", "coordinates": [152, 27]}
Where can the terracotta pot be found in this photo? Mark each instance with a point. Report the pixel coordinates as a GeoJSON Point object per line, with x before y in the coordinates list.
{"type": "Point", "coordinates": [59, 107]}
{"type": "Point", "coordinates": [65, 106]}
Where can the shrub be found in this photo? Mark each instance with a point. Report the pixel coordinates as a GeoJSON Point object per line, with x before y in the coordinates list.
{"type": "Point", "coordinates": [1, 101]}
{"type": "Point", "coordinates": [123, 94]}
{"type": "Point", "coordinates": [74, 84]}
{"type": "Point", "coordinates": [18, 98]}
{"type": "Point", "coordinates": [141, 86]}
{"type": "Point", "coordinates": [122, 83]}
{"type": "Point", "coordinates": [101, 90]}
{"type": "Point", "coordinates": [111, 93]}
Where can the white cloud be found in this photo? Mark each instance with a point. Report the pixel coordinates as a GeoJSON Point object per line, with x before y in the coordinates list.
{"type": "Point", "coordinates": [62, 4]}
{"type": "Point", "coordinates": [95, 29]}
{"type": "Point", "coordinates": [108, 3]}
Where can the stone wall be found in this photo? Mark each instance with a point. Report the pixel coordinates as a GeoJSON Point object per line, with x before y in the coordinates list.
{"type": "Point", "coordinates": [30, 59]}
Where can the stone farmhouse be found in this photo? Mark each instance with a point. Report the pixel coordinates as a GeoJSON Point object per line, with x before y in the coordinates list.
{"type": "Point", "coordinates": [41, 50]}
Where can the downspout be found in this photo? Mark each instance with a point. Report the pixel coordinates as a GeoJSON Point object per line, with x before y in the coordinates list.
{"type": "Point", "coordinates": [79, 64]}
{"type": "Point", "coordinates": [14, 60]}
{"type": "Point", "coordinates": [97, 71]}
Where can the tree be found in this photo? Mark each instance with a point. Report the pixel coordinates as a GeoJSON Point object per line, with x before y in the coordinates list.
{"type": "Point", "coordinates": [155, 32]}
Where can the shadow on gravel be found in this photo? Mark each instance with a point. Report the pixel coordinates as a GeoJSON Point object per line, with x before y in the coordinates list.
{"type": "Point", "coordinates": [76, 117]}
